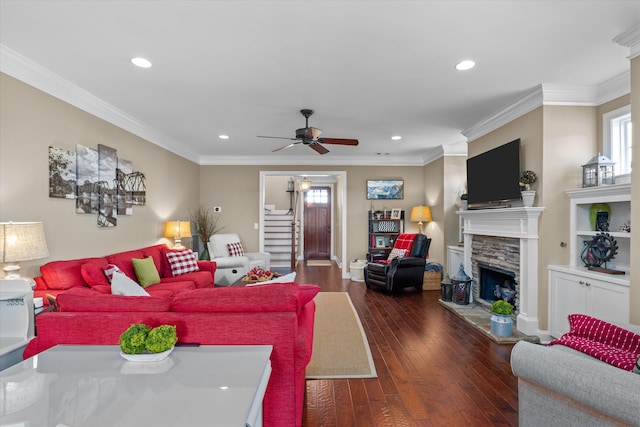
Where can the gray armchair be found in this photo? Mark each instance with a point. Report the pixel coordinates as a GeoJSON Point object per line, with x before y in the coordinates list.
{"type": "Point", "coordinates": [230, 268]}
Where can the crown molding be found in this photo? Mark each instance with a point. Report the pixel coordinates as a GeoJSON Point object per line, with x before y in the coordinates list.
{"type": "Point", "coordinates": [521, 106]}
{"type": "Point", "coordinates": [613, 88]}
{"type": "Point", "coordinates": [552, 94]}
{"type": "Point", "coordinates": [630, 39]}
{"type": "Point", "coordinates": [33, 74]}
{"type": "Point", "coordinates": [311, 160]}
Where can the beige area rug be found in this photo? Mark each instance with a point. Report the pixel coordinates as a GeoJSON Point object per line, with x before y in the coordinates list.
{"type": "Point", "coordinates": [319, 263]}
{"type": "Point", "coordinates": [340, 347]}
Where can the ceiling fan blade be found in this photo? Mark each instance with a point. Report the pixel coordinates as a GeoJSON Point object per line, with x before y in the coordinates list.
{"type": "Point", "coordinates": [339, 141]}
{"type": "Point", "coordinates": [318, 148]}
{"type": "Point", "coordinates": [277, 137]}
{"type": "Point", "coordinates": [286, 146]}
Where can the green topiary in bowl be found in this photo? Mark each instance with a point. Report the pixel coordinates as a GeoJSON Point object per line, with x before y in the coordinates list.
{"type": "Point", "coordinates": [139, 338]}
{"type": "Point", "coordinates": [161, 339]}
{"type": "Point", "coordinates": [133, 340]}
{"type": "Point", "coordinates": [501, 307]}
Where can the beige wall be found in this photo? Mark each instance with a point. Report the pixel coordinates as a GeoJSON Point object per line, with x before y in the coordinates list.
{"type": "Point", "coordinates": [276, 192]}
{"type": "Point", "coordinates": [240, 213]}
{"type": "Point", "coordinates": [30, 122]}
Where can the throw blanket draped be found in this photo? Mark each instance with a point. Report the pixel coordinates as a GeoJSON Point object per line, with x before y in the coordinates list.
{"type": "Point", "coordinates": [604, 341]}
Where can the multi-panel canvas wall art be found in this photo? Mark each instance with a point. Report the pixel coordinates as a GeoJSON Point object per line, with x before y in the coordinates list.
{"type": "Point", "coordinates": [101, 183]}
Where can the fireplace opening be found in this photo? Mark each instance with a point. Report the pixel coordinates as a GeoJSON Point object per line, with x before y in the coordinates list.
{"type": "Point", "coordinates": [496, 283]}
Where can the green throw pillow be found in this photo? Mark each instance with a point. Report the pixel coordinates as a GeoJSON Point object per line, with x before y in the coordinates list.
{"type": "Point", "coordinates": [146, 271]}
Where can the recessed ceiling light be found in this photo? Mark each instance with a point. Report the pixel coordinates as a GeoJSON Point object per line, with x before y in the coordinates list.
{"type": "Point", "coordinates": [396, 137]}
{"type": "Point", "coordinates": [223, 136]}
{"type": "Point", "coordinates": [465, 65]}
{"type": "Point", "coordinates": [141, 62]}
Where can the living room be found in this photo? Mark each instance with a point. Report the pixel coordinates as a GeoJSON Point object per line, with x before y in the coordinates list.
{"type": "Point", "coordinates": [558, 136]}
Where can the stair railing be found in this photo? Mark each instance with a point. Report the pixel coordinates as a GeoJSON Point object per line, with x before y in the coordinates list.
{"type": "Point", "coordinates": [294, 239]}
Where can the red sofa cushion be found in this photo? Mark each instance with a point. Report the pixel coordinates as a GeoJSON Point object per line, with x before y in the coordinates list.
{"type": "Point", "coordinates": [93, 272]}
{"type": "Point", "coordinates": [173, 288]}
{"type": "Point", "coordinates": [123, 261]}
{"type": "Point", "coordinates": [64, 274]}
{"type": "Point", "coordinates": [201, 279]}
{"type": "Point", "coordinates": [82, 300]}
{"type": "Point", "coordinates": [275, 297]}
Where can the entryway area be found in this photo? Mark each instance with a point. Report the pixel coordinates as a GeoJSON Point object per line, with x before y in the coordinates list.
{"type": "Point", "coordinates": [303, 225]}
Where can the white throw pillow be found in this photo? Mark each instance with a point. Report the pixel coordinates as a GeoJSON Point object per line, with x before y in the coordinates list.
{"type": "Point", "coordinates": [122, 285]}
{"type": "Point", "coordinates": [291, 277]}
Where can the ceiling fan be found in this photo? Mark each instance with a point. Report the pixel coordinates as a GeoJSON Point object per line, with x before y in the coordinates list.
{"type": "Point", "coordinates": [311, 137]}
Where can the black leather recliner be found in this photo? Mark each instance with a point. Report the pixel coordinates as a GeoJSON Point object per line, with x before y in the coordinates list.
{"type": "Point", "coordinates": [400, 273]}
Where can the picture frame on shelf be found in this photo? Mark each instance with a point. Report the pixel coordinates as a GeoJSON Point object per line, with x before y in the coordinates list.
{"type": "Point", "coordinates": [396, 213]}
{"type": "Point", "coordinates": [380, 242]}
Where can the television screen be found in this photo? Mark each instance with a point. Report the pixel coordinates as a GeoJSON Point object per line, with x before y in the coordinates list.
{"type": "Point", "coordinates": [493, 176]}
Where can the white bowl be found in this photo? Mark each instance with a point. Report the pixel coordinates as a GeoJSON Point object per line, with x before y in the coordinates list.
{"type": "Point", "coordinates": [147, 357]}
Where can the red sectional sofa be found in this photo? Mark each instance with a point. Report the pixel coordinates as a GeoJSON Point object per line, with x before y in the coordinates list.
{"type": "Point", "coordinates": [281, 315]}
{"type": "Point", "coordinates": [59, 276]}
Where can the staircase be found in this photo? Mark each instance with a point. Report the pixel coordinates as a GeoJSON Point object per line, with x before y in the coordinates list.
{"type": "Point", "coordinates": [278, 237]}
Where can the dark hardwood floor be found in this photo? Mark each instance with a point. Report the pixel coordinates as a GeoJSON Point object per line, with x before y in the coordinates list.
{"type": "Point", "coordinates": [433, 368]}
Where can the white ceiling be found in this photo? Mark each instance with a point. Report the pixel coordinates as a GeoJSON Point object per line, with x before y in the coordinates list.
{"type": "Point", "coordinates": [370, 69]}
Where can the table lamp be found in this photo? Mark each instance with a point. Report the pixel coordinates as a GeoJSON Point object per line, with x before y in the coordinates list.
{"type": "Point", "coordinates": [21, 241]}
{"type": "Point", "coordinates": [177, 230]}
{"type": "Point", "coordinates": [420, 214]}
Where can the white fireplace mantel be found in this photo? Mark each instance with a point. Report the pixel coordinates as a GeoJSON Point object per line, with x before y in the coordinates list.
{"type": "Point", "coordinates": [518, 223]}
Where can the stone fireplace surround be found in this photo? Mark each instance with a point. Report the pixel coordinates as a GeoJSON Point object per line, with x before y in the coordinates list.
{"type": "Point", "coordinates": [494, 253]}
{"type": "Point", "coordinates": [515, 225]}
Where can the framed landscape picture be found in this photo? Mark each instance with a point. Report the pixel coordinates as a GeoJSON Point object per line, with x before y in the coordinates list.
{"type": "Point", "coordinates": [385, 189]}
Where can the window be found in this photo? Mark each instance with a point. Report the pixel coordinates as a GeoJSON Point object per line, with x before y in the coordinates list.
{"type": "Point", "coordinates": [319, 195]}
{"type": "Point", "coordinates": [617, 139]}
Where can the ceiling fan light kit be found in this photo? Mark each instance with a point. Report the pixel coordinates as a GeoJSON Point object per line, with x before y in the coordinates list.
{"type": "Point", "coordinates": [311, 136]}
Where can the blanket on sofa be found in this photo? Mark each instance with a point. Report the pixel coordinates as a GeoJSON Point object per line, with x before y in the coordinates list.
{"type": "Point", "coordinates": [604, 341]}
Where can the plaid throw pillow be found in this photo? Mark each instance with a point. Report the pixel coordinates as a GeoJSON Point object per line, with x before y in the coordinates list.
{"type": "Point", "coordinates": [182, 262]}
{"type": "Point", "coordinates": [109, 269]}
{"type": "Point", "coordinates": [235, 249]}
{"type": "Point", "coordinates": [396, 253]}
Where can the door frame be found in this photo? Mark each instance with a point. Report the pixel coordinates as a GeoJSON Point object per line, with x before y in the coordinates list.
{"type": "Point", "coordinates": [341, 184]}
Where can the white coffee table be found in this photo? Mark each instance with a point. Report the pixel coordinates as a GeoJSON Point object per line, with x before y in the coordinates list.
{"type": "Point", "coordinates": [69, 386]}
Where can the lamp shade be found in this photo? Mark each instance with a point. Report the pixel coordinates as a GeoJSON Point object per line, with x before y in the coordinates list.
{"type": "Point", "coordinates": [177, 229]}
{"type": "Point", "coordinates": [305, 184]}
{"type": "Point", "coordinates": [421, 214]}
{"type": "Point", "coordinates": [22, 241]}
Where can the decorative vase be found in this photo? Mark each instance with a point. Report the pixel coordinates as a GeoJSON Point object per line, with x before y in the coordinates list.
{"type": "Point", "coordinates": [204, 256]}
{"type": "Point", "coordinates": [501, 325]}
{"type": "Point", "coordinates": [599, 214]}
{"type": "Point", "coordinates": [528, 197]}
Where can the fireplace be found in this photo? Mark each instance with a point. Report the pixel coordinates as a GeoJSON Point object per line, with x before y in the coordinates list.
{"type": "Point", "coordinates": [495, 261]}
{"type": "Point", "coordinates": [496, 283]}
{"type": "Point", "coordinates": [506, 240]}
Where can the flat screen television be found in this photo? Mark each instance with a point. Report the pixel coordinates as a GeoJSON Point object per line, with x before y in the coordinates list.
{"type": "Point", "coordinates": [493, 176]}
